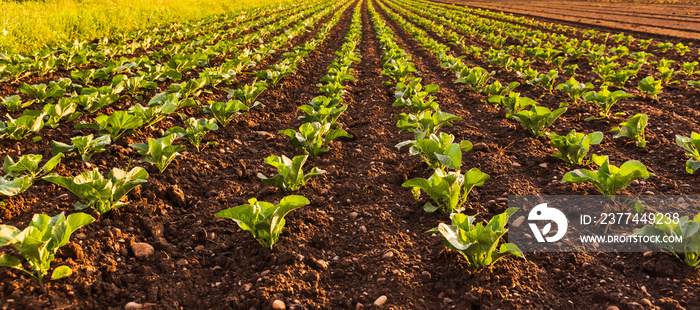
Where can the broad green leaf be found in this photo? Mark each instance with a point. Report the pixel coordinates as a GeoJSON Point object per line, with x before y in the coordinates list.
{"type": "Point", "coordinates": [39, 242]}
{"type": "Point", "coordinates": [61, 272]}
{"type": "Point", "coordinates": [14, 187]}
{"type": "Point", "coordinates": [7, 234]}
{"type": "Point", "coordinates": [477, 243]}
{"type": "Point", "coordinates": [9, 261]}
{"type": "Point", "coordinates": [262, 219]}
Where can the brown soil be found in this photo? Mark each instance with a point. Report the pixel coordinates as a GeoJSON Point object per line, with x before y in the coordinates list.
{"type": "Point", "coordinates": [327, 259]}
{"type": "Point", "coordinates": [643, 2]}
{"type": "Point", "coordinates": [671, 21]}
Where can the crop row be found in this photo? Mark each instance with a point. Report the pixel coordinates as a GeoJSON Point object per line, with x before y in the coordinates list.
{"type": "Point", "coordinates": [448, 188]}
{"type": "Point", "coordinates": [264, 220]}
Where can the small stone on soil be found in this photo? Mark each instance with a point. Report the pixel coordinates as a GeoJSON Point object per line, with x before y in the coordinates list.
{"type": "Point", "coordinates": [133, 306]}
{"type": "Point", "coordinates": [363, 229]}
{"type": "Point", "coordinates": [278, 305]}
{"type": "Point", "coordinates": [142, 250]}
{"type": "Point", "coordinates": [321, 264]}
{"type": "Point", "coordinates": [388, 255]}
{"type": "Point", "coordinates": [519, 221]}
{"type": "Point", "coordinates": [380, 301]}
{"type": "Point", "coordinates": [181, 262]}
{"type": "Point", "coordinates": [353, 215]}
{"type": "Point", "coordinates": [543, 165]}
{"type": "Point", "coordinates": [644, 289]}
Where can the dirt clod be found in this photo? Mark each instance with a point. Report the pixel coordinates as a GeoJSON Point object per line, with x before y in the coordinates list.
{"type": "Point", "coordinates": [177, 196]}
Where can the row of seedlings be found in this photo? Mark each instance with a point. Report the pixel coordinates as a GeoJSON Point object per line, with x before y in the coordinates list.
{"type": "Point", "coordinates": [447, 187]}
{"type": "Point", "coordinates": [265, 220]}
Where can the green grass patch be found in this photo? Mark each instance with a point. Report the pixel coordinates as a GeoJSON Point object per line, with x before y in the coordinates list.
{"type": "Point", "coordinates": [29, 25]}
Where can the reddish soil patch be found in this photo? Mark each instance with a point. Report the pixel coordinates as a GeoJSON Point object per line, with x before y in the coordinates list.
{"type": "Point", "coordinates": [666, 20]}
{"type": "Point", "coordinates": [328, 259]}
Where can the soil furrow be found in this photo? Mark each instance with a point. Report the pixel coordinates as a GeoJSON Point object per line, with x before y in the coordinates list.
{"type": "Point", "coordinates": [587, 8]}
{"type": "Point", "coordinates": [637, 29]}
{"type": "Point", "coordinates": [657, 22]}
